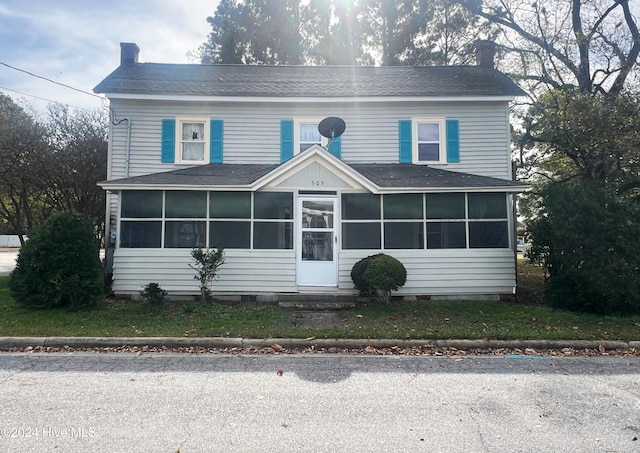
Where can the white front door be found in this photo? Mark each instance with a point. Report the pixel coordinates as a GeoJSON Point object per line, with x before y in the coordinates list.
{"type": "Point", "coordinates": [317, 251]}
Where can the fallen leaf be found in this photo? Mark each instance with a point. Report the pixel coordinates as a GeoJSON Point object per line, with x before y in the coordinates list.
{"type": "Point", "coordinates": [280, 372]}
{"type": "Point", "coordinates": [601, 349]}
{"type": "Point", "coordinates": [276, 347]}
{"type": "Point", "coordinates": [310, 338]}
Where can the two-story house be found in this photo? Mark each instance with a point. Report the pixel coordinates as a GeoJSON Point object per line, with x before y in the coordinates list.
{"type": "Point", "coordinates": [231, 156]}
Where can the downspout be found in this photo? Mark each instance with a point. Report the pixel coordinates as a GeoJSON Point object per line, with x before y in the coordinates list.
{"type": "Point", "coordinates": [128, 148]}
{"type": "Point", "coordinates": [514, 200]}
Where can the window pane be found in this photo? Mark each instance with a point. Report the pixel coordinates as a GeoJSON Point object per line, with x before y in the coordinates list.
{"type": "Point", "coordinates": [360, 206]}
{"type": "Point", "coordinates": [186, 234]}
{"type": "Point", "coordinates": [140, 234]}
{"type": "Point", "coordinates": [317, 214]}
{"type": "Point", "coordinates": [428, 151]}
{"type": "Point", "coordinates": [317, 246]}
{"type": "Point", "coordinates": [428, 132]}
{"type": "Point", "coordinates": [230, 205]}
{"type": "Point", "coordinates": [445, 206]}
{"type": "Point", "coordinates": [190, 204]}
{"type": "Point", "coordinates": [230, 235]}
{"type": "Point", "coordinates": [446, 235]}
{"type": "Point", "coordinates": [272, 235]}
{"type": "Point", "coordinates": [273, 205]}
{"type": "Point", "coordinates": [403, 206]}
{"type": "Point", "coordinates": [403, 235]}
{"type": "Point", "coordinates": [192, 132]}
{"type": "Point", "coordinates": [309, 133]}
{"type": "Point", "coordinates": [487, 206]}
{"type": "Point", "coordinates": [193, 151]}
{"type": "Point", "coordinates": [360, 236]}
{"type": "Point", "coordinates": [142, 203]}
{"type": "Point", "coordinates": [488, 235]}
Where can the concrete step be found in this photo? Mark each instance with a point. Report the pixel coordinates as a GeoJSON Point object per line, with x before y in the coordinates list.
{"type": "Point", "coordinates": [316, 305]}
{"type": "Point", "coordinates": [316, 301]}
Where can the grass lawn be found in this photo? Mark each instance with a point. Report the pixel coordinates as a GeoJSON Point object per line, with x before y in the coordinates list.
{"type": "Point", "coordinates": [526, 319]}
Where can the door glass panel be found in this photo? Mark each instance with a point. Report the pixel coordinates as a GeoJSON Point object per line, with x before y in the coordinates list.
{"type": "Point", "coordinates": [317, 246]}
{"type": "Point", "coordinates": [317, 214]}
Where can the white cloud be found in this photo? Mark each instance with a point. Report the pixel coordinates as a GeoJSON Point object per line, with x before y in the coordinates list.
{"type": "Point", "coordinates": [77, 43]}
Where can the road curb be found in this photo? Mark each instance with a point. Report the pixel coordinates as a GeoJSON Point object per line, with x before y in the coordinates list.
{"type": "Point", "coordinates": [296, 343]}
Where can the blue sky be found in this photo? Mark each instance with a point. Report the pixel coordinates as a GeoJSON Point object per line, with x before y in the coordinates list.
{"type": "Point", "coordinates": [77, 42]}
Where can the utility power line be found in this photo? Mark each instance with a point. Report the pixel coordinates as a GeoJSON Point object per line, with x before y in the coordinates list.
{"type": "Point", "coordinates": [49, 80]}
{"type": "Point", "coordinates": [42, 99]}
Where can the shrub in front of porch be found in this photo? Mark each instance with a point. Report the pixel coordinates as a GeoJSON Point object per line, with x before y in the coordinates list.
{"type": "Point", "coordinates": [378, 276]}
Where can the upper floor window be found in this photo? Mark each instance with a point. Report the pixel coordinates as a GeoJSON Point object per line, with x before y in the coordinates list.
{"type": "Point", "coordinates": [429, 144]}
{"type": "Point", "coordinates": [306, 134]}
{"type": "Point", "coordinates": [192, 145]}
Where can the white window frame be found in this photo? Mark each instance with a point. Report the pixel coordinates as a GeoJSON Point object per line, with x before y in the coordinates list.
{"type": "Point", "coordinates": [442, 125]}
{"type": "Point", "coordinates": [296, 133]}
{"type": "Point", "coordinates": [205, 138]}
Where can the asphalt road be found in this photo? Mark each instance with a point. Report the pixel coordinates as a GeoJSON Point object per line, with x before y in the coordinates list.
{"type": "Point", "coordinates": [86, 402]}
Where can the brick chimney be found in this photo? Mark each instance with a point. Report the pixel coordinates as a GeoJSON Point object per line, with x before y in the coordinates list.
{"type": "Point", "coordinates": [128, 53]}
{"type": "Point", "coordinates": [485, 53]}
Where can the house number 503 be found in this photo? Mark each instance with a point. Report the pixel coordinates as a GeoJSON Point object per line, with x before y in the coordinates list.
{"type": "Point", "coordinates": [317, 183]}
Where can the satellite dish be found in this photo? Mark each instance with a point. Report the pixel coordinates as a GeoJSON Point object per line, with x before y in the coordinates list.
{"type": "Point", "coordinates": [331, 127]}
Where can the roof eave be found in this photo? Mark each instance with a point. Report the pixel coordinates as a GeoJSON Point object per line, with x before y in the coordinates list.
{"type": "Point", "coordinates": [310, 99]}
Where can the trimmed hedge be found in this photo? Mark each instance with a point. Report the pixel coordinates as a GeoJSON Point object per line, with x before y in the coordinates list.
{"type": "Point", "coordinates": [378, 275]}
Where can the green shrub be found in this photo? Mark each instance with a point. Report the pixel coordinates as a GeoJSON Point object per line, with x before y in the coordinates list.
{"type": "Point", "coordinates": [207, 264]}
{"type": "Point", "coordinates": [587, 238]}
{"type": "Point", "coordinates": [59, 266]}
{"type": "Point", "coordinates": [154, 295]}
{"type": "Point", "coordinates": [378, 275]}
{"type": "Point", "coordinates": [357, 276]}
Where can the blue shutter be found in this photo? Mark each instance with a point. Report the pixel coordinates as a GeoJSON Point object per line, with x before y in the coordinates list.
{"type": "Point", "coordinates": [216, 128]}
{"type": "Point", "coordinates": [168, 155]}
{"type": "Point", "coordinates": [453, 141]}
{"type": "Point", "coordinates": [404, 134]}
{"type": "Point", "coordinates": [335, 147]}
{"type": "Point", "coordinates": [286, 140]}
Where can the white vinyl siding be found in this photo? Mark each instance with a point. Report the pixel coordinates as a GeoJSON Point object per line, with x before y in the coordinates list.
{"type": "Point", "coordinates": [429, 272]}
{"type": "Point", "coordinates": [243, 272]}
{"type": "Point", "coordinates": [252, 132]}
{"type": "Point", "coordinates": [448, 272]}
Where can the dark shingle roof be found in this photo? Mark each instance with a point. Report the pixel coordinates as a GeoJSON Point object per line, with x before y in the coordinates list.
{"type": "Point", "coordinates": [412, 176]}
{"type": "Point", "coordinates": [385, 176]}
{"type": "Point", "coordinates": [203, 175]}
{"type": "Point", "coordinates": [306, 81]}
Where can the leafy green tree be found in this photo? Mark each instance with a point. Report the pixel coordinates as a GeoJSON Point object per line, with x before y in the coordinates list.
{"type": "Point", "coordinates": [450, 36]}
{"type": "Point", "coordinates": [335, 32]}
{"type": "Point", "coordinates": [331, 33]}
{"type": "Point", "coordinates": [254, 32]}
{"type": "Point", "coordinates": [588, 236]}
{"type": "Point", "coordinates": [591, 137]}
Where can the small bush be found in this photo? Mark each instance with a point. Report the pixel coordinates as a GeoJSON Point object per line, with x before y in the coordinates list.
{"type": "Point", "coordinates": [357, 276]}
{"type": "Point", "coordinates": [154, 295]}
{"type": "Point", "coordinates": [59, 266]}
{"type": "Point", "coordinates": [378, 275]}
{"type": "Point", "coordinates": [207, 264]}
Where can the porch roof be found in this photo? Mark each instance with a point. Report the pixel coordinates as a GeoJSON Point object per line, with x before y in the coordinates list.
{"type": "Point", "coordinates": [385, 177]}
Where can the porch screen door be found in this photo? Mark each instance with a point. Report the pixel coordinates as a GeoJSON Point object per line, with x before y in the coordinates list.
{"type": "Point", "coordinates": [317, 241]}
